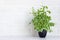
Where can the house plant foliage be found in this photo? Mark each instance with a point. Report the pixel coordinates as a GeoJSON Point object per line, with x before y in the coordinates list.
{"type": "Point", "coordinates": [42, 19]}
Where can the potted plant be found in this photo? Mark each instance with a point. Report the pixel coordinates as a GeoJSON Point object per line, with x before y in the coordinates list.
{"type": "Point", "coordinates": [42, 21]}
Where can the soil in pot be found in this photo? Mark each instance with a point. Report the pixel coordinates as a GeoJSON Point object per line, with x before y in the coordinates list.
{"type": "Point", "coordinates": [42, 34]}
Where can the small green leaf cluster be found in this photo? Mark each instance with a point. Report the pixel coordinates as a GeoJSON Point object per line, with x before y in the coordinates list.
{"type": "Point", "coordinates": [41, 20]}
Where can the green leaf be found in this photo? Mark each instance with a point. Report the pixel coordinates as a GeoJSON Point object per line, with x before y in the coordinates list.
{"type": "Point", "coordinates": [46, 7]}
{"type": "Point", "coordinates": [49, 11]}
{"type": "Point", "coordinates": [41, 20]}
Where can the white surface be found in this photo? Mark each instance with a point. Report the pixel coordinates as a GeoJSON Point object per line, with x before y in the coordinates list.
{"type": "Point", "coordinates": [14, 16]}
{"type": "Point", "coordinates": [29, 38]}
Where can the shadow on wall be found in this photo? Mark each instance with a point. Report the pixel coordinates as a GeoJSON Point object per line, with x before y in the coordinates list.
{"type": "Point", "coordinates": [29, 27]}
{"type": "Point", "coordinates": [32, 31]}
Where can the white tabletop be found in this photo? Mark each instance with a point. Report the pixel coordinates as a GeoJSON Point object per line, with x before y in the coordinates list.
{"type": "Point", "coordinates": [29, 38]}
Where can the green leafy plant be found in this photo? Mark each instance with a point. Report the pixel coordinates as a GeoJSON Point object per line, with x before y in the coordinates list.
{"type": "Point", "coordinates": [41, 19]}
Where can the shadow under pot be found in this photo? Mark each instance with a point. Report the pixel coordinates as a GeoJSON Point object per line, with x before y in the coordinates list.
{"type": "Point", "coordinates": [42, 34]}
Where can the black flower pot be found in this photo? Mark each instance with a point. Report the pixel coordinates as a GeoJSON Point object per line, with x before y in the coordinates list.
{"type": "Point", "coordinates": [42, 34]}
